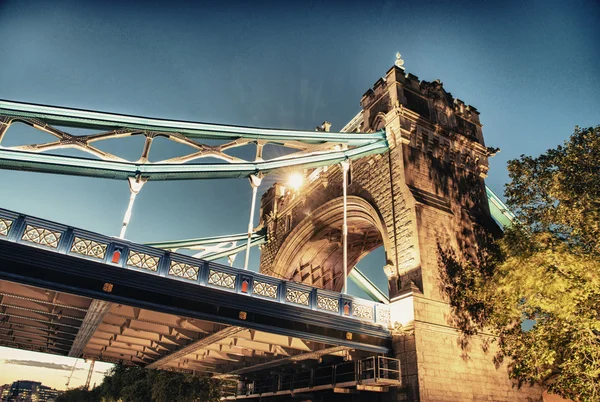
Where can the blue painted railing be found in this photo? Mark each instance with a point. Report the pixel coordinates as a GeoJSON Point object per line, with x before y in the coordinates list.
{"type": "Point", "coordinates": [116, 252]}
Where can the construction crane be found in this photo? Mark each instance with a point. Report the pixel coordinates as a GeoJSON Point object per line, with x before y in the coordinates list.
{"type": "Point", "coordinates": [71, 375]}
{"type": "Point", "coordinates": [89, 377]}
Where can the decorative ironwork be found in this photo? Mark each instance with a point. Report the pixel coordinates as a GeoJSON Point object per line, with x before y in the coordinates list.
{"type": "Point", "coordinates": [362, 311]}
{"type": "Point", "coordinates": [328, 303]}
{"type": "Point", "coordinates": [42, 236]}
{"type": "Point", "coordinates": [265, 289]}
{"type": "Point", "coordinates": [88, 248]}
{"type": "Point", "coordinates": [221, 279]}
{"type": "Point", "coordinates": [297, 296]}
{"type": "Point", "coordinates": [108, 287]}
{"type": "Point", "coordinates": [142, 260]}
{"type": "Point", "coordinates": [383, 314]}
{"type": "Point", "coordinates": [5, 225]}
{"type": "Point", "coordinates": [183, 270]}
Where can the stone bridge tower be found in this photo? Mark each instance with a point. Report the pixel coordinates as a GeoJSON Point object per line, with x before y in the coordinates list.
{"type": "Point", "coordinates": [427, 192]}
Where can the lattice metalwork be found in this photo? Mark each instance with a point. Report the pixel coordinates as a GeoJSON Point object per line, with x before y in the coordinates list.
{"type": "Point", "coordinates": [362, 311]}
{"type": "Point", "coordinates": [328, 303]}
{"type": "Point", "coordinates": [383, 314]}
{"type": "Point", "coordinates": [5, 225]}
{"type": "Point", "coordinates": [89, 248]}
{"type": "Point", "coordinates": [42, 236]}
{"type": "Point", "coordinates": [305, 143]}
{"type": "Point", "coordinates": [221, 279]}
{"type": "Point", "coordinates": [265, 289]}
{"type": "Point", "coordinates": [183, 270]}
{"type": "Point", "coordinates": [297, 296]}
{"type": "Point", "coordinates": [142, 260]}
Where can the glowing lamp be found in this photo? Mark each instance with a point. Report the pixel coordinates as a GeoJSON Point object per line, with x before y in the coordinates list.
{"type": "Point", "coordinates": [295, 181]}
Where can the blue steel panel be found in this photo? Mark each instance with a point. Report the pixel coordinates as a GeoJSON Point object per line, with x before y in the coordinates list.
{"type": "Point", "coordinates": [156, 262]}
{"type": "Point", "coordinates": [37, 267]}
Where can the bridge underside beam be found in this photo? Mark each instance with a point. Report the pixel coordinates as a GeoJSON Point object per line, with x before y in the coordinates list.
{"type": "Point", "coordinates": [94, 316]}
{"type": "Point", "coordinates": [38, 319]}
{"type": "Point", "coordinates": [313, 355]}
{"type": "Point", "coordinates": [121, 333]}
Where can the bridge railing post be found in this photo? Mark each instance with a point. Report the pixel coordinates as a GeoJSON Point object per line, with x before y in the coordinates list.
{"type": "Point", "coordinates": [17, 228]}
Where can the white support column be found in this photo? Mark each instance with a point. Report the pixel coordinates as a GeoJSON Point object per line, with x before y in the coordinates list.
{"type": "Point", "coordinates": [135, 185]}
{"type": "Point", "coordinates": [255, 181]}
{"type": "Point", "coordinates": [345, 167]}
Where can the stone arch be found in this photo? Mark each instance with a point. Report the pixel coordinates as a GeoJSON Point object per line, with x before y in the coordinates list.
{"type": "Point", "coordinates": [312, 252]}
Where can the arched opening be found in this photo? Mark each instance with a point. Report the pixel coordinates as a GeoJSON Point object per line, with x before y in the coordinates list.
{"type": "Point", "coordinates": [313, 253]}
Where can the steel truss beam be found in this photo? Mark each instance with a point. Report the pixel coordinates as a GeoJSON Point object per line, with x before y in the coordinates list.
{"type": "Point", "coordinates": [199, 344]}
{"type": "Point", "coordinates": [108, 121]}
{"type": "Point", "coordinates": [313, 149]}
{"type": "Point", "coordinates": [315, 355]}
{"type": "Point", "coordinates": [93, 318]}
{"type": "Point", "coordinates": [29, 161]}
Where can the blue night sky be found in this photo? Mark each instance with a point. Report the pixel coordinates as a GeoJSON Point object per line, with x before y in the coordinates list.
{"type": "Point", "coordinates": [531, 68]}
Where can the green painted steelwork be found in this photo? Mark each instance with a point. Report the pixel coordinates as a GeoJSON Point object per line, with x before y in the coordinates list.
{"type": "Point", "coordinates": [191, 243]}
{"type": "Point", "coordinates": [69, 117]}
{"type": "Point", "coordinates": [29, 161]}
{"type": "Point", "coordinates": [362, 281]}
{"type": "Point", "coordinates": [365, 144]}
{"type": "Point", "coordinates": [499, 210]}
{"type": "Point", "coordinates": [254, 242]}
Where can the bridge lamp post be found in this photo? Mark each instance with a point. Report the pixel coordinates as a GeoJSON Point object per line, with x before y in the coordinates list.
{"type": "Point", "coordinates": [345, 167]}
{"type": "Point", "coordinates": [255, 180]}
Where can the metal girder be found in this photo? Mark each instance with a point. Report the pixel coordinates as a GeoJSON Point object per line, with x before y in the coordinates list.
{"type": "Point", "coordinates": [43, 163]}
{"type": "Point", "coordinates": [191, 243]}
{"type": "Point", "coordinates": [314, 355]}
{"type": "Point", "coordinates": [93, 318]}
{"type": "Point", "coordinates": [499, 210]}
{"type": "Point", "coordinates": [199, 344]}
{"type": "Point", "coordinates": [99, 120]}
{"type": "Point", "coordinates": [363, 282]}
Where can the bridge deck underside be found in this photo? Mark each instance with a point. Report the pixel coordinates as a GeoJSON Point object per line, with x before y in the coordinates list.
{"type": "Point", "coordinates": [48, 321]}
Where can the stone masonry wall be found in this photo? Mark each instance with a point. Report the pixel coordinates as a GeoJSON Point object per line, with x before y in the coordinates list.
{"type": "Point", "coordinates": [429, 193]}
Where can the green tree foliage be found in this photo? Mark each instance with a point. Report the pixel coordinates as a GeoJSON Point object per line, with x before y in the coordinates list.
{"type": "Point", "coordinates": [79, 395]}
{"type": "Point", "coordinates": [538, 288]}
{"type": "Point", "coordinates": [136, 384]}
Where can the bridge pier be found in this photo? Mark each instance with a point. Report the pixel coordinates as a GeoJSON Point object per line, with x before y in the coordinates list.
{"type": "Point", "coordinates": [425, 194]}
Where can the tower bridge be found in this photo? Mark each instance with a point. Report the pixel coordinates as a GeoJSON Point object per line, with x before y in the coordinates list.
{"type": "Point", "coordinates": [407, 173]}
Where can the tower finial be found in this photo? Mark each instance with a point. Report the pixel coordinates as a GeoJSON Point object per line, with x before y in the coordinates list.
{"type": "Point", "coordinates": [399, 62]}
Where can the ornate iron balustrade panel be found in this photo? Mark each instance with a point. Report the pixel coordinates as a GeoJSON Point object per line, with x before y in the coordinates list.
{"type": "Point", "coordinates": [79, 243]}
